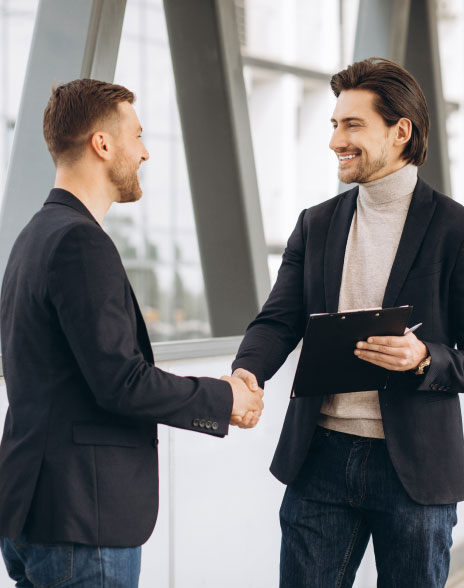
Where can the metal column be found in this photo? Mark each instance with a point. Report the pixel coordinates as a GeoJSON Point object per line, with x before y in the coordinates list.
{"type": "Point", "coordinates": [423, 61]}
{"type": "Point", "coordinates": [213, 110]}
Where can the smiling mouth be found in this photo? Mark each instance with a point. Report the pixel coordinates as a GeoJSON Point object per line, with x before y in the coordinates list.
{"type": "Point", "coordinates": [343, 159]}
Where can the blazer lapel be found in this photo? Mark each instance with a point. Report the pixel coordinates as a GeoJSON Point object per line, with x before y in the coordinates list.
{"type": "Point", "coordinates": [417, 221]}
{"type": "Point", "coordinates": [335, 247]}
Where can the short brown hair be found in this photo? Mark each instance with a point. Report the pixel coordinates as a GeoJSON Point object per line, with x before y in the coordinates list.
{"type": "Point", "coordinates": [398, 95]}
{"type": "Point", "coordinates": [73, 111]}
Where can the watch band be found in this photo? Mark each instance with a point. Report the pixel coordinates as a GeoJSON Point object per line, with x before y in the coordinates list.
{"type": "Point", "coordinates": [419, 371]}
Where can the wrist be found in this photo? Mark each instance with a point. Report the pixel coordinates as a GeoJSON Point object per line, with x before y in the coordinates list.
{"type": "Point", "coordinates": [423, 365]}
{"type": "Point", "coordinates": [423, 356]}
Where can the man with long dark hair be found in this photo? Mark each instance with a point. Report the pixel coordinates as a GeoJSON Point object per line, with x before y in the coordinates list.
{"type": "Point", "coordinates": [390, 463]}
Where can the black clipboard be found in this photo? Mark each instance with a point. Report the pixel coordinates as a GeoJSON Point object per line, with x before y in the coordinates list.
{"type": "Point", "coordinates": [327, 362]}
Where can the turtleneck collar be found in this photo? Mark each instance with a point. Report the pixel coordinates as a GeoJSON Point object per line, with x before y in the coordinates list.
{"type": "Point", "coordinates": [395, 186]}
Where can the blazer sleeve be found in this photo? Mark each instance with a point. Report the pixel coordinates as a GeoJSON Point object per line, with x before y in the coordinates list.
{"type": "Point", "coordinates": [280, 325]}
{"type": "Point", "coordinates": [446, 371]}
{"type": "Point", "coordinates": [88, 289]}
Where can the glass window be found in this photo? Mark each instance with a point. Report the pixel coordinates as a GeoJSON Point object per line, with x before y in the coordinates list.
{"type": "Point", "coordinates": [16, 25]}
{"type": "Point", "coordinates": [290, 110]}
{"type": "Point", "coordinates": [156, 236]}
{"type": "Point", "coordinates": [451, 45]}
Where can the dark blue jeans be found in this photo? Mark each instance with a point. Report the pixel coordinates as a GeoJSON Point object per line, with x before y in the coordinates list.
{"type": "Point", "coordinates": [68, 565]}
{"type": "Point", "coordinates": [346, 492]}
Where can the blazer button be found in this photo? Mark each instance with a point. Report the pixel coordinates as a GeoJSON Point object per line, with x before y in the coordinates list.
{"type": "Point", "coordinates": [202, 423]}
{"type": "Point", "coordinates": [155, 443]}
{"type": "Point", "coordinates": [215, 426]}
{"type": "Point", "coordinates": [196, 422]}
{"type": "Point", "coordinates": [433, 386]}
{"type": "Point", "coordinates": [442, 388]}
{"type": "Point", "coordinates": [208, 424]}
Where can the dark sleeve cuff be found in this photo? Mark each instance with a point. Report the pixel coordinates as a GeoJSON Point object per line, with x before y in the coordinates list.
{"type": "Point", "coordinates": [435, 377]}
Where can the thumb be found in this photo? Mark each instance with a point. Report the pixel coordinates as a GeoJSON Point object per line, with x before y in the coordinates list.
{"type": "Point", "coordinates": [247, 377]}
{"type": "Point", "coordinates": [251, 382]}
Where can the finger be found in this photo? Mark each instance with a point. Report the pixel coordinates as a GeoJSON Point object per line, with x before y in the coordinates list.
{"type": "Point", "coordinates": [376, 356]}
{"type": "Point", "coordinates": [398, 351]}
{"type": "Point", "coordinates": [235, 420]}
{"type": "Point", "coordinates": [389, 341]}
{"type": "Point", "coordinates": [250, 421]}
{"type": "Point", "coordinates": [389, 362]}
{"type": "Point", "coordinates": [259, 404]}
{"type": "Point", "coordinates": [250, 425]}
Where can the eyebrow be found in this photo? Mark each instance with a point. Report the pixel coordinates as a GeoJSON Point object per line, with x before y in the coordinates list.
{"type": "Point", "coordinates": [348, 119]}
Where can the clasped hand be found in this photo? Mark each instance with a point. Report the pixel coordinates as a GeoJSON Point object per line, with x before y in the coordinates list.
{"type": "Point", "coordinates": [393, 353]}
{"type": "Point", "coordinates": [248, 404]}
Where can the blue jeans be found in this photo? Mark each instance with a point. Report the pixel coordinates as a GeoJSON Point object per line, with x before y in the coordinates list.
{"type": "Point", "coordinates": [70, 565]}
{"type": "Point", "coordinates": [347, 491]}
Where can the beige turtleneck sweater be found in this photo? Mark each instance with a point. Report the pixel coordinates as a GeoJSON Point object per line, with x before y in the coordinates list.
{"type": "Point", "coordinates": [372, 243]}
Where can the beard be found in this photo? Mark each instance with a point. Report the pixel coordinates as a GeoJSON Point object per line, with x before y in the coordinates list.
{"type": "Point", "coordinates": [363, 172]}
{"type": "Point", "coordinates": [123, 175]}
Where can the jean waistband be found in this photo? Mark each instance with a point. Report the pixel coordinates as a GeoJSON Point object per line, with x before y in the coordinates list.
{"type": "Point", "coordinates": [346, 436]}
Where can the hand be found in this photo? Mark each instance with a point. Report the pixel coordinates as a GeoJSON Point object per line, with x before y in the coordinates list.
{"type": "Point", "coordinates": [250, 419]}
{"type": "Point", "coordinates": [393, 353]}
{"type": "Point", "coordinates": [248, 405]}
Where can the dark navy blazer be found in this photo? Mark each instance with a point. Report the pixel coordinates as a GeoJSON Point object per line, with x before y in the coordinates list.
{"type": "Point", "coordinates": [78, 459]}
{"type": "Point", "coordinates": [421, 415]}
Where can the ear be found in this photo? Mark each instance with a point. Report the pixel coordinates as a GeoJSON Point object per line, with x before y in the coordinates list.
{"type": "Point", "coordinates": [101, 144]}
{"type": "Point", "coordinates": [403, 131]}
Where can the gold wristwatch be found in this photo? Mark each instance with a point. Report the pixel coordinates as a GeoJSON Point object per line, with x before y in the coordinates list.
{"type": "Point", "coordinates": [419, 371]}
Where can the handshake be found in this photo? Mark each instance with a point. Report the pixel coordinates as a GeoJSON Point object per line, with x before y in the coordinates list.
{"type": "Point", "coordinates": [248, 404]}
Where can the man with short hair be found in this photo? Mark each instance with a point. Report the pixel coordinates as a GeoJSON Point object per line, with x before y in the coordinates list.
{"type": "Point", "coordinates": [78, 459]}
{"type": "Point", "coordinates": [389, 463]}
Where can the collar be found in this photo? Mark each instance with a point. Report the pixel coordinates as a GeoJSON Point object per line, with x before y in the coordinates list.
{"type": "Point", "coordinates": [60, 196]}
{"type": "Point", "coordinates": [391, 188]}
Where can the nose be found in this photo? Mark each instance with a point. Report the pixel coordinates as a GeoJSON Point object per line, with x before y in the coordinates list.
{"type": "Point", "coordinates": [338, 140]}
{"type": "Point", "coordinates": [145, 154]}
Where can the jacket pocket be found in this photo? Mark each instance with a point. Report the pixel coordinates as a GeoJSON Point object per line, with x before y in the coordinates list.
{"type": "Point", "coordinates": [437, 396]}
{"type": "Point", "coordinates": [91, 434]}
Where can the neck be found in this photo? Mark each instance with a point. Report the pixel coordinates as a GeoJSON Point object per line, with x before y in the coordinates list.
{"type": "Point", "coordinates": [91, 189]}
{"type": "Point", "coordinates": [394, 186]}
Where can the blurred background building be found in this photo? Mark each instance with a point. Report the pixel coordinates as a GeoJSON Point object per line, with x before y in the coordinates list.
{"type": "Point", "coordinates": [289, 50]}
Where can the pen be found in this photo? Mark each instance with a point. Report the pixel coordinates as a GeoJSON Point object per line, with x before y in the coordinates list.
{"type": "Point", "coordinates": [412, 329]}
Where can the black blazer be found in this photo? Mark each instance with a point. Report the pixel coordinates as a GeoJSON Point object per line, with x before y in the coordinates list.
{"type": "Point", "coordinates": [78, 459]}
{"type": "Point", "coordinates": [421, 415]}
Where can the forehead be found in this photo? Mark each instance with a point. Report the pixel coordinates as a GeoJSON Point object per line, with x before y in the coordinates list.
{"type": "Point", "coordinates": [355, 104]}
{"type": "Point", "coordinates": [128, 114]}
